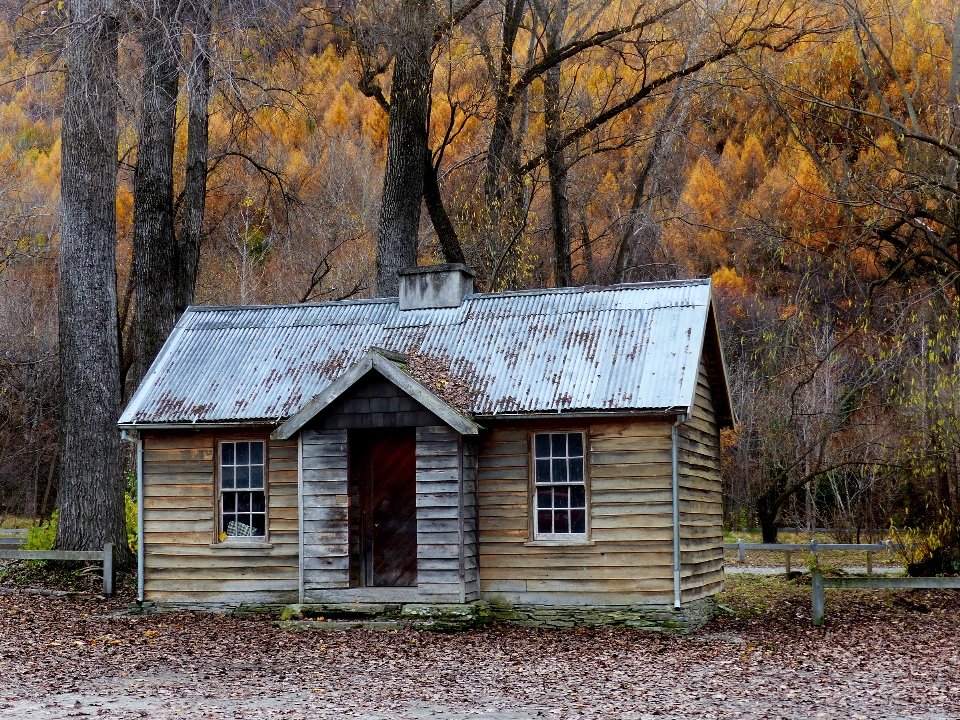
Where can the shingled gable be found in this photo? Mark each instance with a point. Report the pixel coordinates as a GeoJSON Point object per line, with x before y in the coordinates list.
{"type": "Point", "coordinates": [388, 365]}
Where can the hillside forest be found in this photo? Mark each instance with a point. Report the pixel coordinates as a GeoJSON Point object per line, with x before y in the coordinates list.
{"type": "Point", "coordinates": [804, 154]}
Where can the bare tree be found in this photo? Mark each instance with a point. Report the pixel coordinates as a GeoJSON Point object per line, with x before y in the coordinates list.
{"type": "Point", "coordinates": [91, 483]}
{"type": "Point", "coordinates": [154, 235]}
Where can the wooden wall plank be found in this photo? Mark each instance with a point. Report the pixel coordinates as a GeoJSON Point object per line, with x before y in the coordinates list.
{"type": "Point", "coordinates": [182, 562]}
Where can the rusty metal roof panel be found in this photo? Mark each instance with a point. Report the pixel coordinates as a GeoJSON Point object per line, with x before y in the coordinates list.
{"type": "Point", "coordinates": [626, 347]}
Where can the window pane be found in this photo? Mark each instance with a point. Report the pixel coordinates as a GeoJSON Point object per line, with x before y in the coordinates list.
{"type": "Point", "coordinates": [256, 453]}
{"type": "Point", "coordinates": [578, 521]}
{"type": "Point", "coordinates": [575, 444]}
{"type": "Point", "coordinates": [243, 453]}
{"type": "Point", "coordinates": [243, 477]}
{"type": "Point", "coordinates": [226, 477]}
{"type": "Point", "coordinates": [578, 496]}
{"type": "Point", "coordinates": [561, 495]}
{"type": "Point", "coordinates": [576, 470]}
{"type": "Point", "coordinates": [561, 521]}
{"type": "Point", "coordinates": [228, 520]}
{"type": "Point", "coordinates": [229, 502]}
{"type": "Point", "coordinates": [226, 453]}
{"type": "Point", "coordinates": [543, 471]}
{"type": "Point", "coordinates": [542, 444]}
{"type": "Point", "coordinates": [256, 476]}
{"type": "Point", "coordinates": [243, 502]}
{"type": "Point", "coordinates": [559, 445]}
{"type": "Point", "coordinates": [258, 502]}
{"type": "Point", "coordinates": [559, 470]}
{"type": "Point", "coordinates": [544, 496]}
{"type": "Point", "coordinates": [544, 524]}
{"type": "Point", "coordinates": [259, 523]}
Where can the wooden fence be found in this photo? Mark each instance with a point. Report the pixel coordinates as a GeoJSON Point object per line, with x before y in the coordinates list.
{"type": "Point", "coordinates": [105, 556]}
{"type": "Point", "coordinates": [819, 582]}
{"type": "Point", "coordinates": [813, 547]}
{"type": "Point", "coordinates": [12, 537]}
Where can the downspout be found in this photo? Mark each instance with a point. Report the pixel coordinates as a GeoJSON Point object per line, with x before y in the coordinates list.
{"type": "Point", "coordinates": [140, 540]}
{"type": "Point", "coordinates": [681, 419]}
{"type": "Point", "coordinates": [135, 437]}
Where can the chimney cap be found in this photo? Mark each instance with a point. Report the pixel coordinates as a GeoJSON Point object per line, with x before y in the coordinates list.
{"type": "Point", "coordinates": [443, 267]}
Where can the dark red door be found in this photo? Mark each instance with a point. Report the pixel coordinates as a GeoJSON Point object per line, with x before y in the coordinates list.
{"type": "Point", "coordinates": [388, 495]}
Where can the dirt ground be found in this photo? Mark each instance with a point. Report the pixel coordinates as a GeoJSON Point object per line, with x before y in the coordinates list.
{"type": "Point", "coordinates": [883, 654]}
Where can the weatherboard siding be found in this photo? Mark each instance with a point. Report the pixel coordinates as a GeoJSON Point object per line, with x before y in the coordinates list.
{"type": "Point", "coordinates": [182, 562]}
{"type": "Point", "coordinates": [630, 520]}
{"type": "Point", "coordinates": [701, 505]}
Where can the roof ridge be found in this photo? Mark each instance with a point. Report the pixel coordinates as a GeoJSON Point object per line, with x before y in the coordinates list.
{"type": "Point", "coordinates": [654, 284]}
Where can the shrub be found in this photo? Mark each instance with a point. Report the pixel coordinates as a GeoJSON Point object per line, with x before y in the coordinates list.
{"type": "Point", "coordinates": [929, 551]}
{"type": "Point", "coordinates": [42, 535]}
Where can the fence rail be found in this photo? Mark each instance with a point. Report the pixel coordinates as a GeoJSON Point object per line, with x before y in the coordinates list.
{"type": "Point", "coordinates": [105, 556]}
{"type": "Point", "coordinates": [12, 537]}
{"type": "Point", "coordinates": [813, 547]}
{"type": "Point", "coordinates": [819, 583]}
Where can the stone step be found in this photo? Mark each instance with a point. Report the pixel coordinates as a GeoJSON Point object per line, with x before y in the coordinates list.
{"type": "Point", "coordinates": [341, 625]}
{"type": "Point", "coordinates": [338, 611]}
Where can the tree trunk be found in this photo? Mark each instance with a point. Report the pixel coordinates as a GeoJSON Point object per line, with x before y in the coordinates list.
{"type": "Point", "coordinates": [557, 172]}
{"type": "Point", "coordinates": [399, 223]}
{"type": "Point", "coordinates": [91, 482]}
{"type": "Point", "coordinates": [554, 18]}
{"type": "Point", "coordinates": [768, 527]}
{"type": "Point", "coordinates": [768, 513]}
{"type": "Point", "coordinates": [195, 183]}
{"type": "Point", "coordinates": [446, 233]}
{"type": "Point", "coordinates": [154, 241]}
{"type": "Point", "coordinates": [501, 134]}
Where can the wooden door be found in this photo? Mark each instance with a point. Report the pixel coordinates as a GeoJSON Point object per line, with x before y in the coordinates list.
{"type": "Point", "coordinates": [388, 497]}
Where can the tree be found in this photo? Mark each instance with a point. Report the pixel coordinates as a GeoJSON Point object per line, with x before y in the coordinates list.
{"type": "Point", "coordinates": [198, 140]}
{"type": "Point", "coordinates": [879, 117]}
{"type": "Point", "coordinates": [156, 267]}
{"type": "Point", "coordinates": [91, 483]}
{"type": "Point", "coordinates": [402, 197]}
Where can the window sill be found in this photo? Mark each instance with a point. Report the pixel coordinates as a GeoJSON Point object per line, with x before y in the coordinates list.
{"type": "Point", "coordinates": [242, 545]}
{"type": "Point", "coordinates": [560, 543]}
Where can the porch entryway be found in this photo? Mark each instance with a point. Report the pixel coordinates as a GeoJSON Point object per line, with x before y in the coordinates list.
{"type": "Point", "coordinates": [383, 508]}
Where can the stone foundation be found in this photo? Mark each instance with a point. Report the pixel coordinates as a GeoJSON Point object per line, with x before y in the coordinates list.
{"type": "Point", "coordinates": [687, 618]}
{"type": "Point", "coordinates": [456, 617]}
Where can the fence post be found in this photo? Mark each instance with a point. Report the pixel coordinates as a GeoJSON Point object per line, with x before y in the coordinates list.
{"type": "Point", "coordinates": [813, 549]}
{"type": "Point", "coordinates": [741, 551]}
{"type": "Point", "coordinates": [108, 571]}
{"type": "Point", "coordinates": [787, 553]}
{"type": "Point", "coordinates": [869, 562]}
{"type": "Point", "coordinates": [816, 578]}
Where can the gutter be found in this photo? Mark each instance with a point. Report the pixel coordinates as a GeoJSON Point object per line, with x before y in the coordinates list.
{"type": "Point", "coordinates": [681, 419]}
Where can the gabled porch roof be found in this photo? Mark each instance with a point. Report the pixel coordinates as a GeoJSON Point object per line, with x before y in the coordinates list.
{"type": "Point", "coordinates": [390, 366]}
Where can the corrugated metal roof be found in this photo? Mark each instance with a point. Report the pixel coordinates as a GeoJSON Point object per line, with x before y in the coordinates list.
{"type": "Point", "coordinates": [625, 347]}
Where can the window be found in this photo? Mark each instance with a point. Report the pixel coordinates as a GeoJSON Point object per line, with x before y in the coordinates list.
{"type": "Point", "coordinates": [243, 502]}
{"type": "Point", "coordinates": [560, 491]}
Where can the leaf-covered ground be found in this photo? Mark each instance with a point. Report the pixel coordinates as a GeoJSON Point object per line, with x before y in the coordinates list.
{"type": "Point", "coordinates": [881, 655]}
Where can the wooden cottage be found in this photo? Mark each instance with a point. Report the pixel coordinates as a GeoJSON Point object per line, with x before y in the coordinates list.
{"type": "Point", "coordinates": [554, 453]}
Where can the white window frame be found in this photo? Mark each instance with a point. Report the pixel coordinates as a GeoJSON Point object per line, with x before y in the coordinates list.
{"type": "Point", "coordinates": [538, 484]}
{"type": "Point", "coordinates": [221, 490]}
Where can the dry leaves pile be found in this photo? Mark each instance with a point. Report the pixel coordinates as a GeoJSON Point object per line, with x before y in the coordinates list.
{"type": "Point", "coordinates": [882, 655]}
{"type": "Point", "coordinates": [434, 373]}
